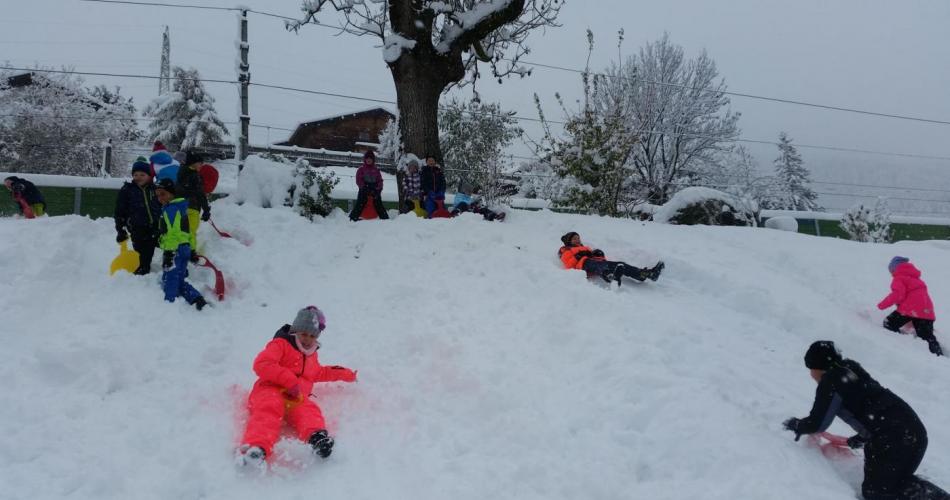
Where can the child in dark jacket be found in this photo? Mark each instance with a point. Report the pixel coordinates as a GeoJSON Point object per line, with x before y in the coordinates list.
{"type": "Point", "coordinates": [909, 293]}
{"type": "Point", "coordinates": [176, 245]}
{"type": "Point", "coordinates": [137, 211]}
{"type": "Point", "coordinates": [191, 188]}
{"type": "Point", "coordinates": [892, 435]}
{"type": "Point", "coordinates": [574, 255]}
{"type": "Point", "coordinates": [27, 197]}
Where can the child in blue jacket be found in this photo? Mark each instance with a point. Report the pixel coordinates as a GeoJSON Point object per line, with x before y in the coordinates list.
{"type": "Point", "coordinates": [175, 242]}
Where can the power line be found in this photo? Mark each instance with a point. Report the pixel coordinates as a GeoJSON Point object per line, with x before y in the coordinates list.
{"type": "Point", "coordinates": [517, 117]}
{"type": "Point", "coordinates": [741, 94]}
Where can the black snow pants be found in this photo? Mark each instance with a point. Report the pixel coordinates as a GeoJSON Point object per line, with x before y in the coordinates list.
{"type": "Point", "coordinates": [893, 454]}
{"type": "Point", "coordinates": [144, 241]}
{"type": "Point", "coordinates": [923, 327]}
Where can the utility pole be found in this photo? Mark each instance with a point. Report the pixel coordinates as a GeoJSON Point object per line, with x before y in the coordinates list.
{"type": "Point", "coordinates": [164, 74]}
{"type": "Point", "coordinates": [244, 76]}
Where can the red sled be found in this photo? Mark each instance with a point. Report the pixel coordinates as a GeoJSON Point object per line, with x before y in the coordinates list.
{"type": "Point", "coordinates": [209, 178]}
{"type": "Point", "coordinates": [369, 209]}
{"type": "Point", "coordinates": [832, 446]}
{"type": "Point", "coordinates": [218, 276]}
{"type": "Point", "coordinates": [27, 209]}
{"type": "Point", "coordinates": [440, 212]}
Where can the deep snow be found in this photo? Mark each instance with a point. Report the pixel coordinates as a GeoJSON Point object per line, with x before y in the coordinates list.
{"type": "Point", "coordinates": [485, 370]}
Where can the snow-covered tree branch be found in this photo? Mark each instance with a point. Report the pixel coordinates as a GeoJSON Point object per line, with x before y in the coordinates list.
{"type": "Point", "coordinates": [432, 45]}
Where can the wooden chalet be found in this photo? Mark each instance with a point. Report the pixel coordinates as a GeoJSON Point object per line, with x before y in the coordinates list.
{"type": "Point", "coordinates": [351, 132]}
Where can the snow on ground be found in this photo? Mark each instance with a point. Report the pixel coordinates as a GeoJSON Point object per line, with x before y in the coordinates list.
{"type": "Point", "coordinates": [485, 370]}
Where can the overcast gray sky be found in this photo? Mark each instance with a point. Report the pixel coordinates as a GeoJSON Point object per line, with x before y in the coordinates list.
{"type": "Point", "coordinates": [890, 57]}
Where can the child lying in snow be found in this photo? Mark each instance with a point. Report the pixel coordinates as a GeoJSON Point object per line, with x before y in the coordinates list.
{"type": "Point", "coordinates": [574, 255]}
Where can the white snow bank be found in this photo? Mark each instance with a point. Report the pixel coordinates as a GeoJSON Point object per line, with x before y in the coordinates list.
{"type": "Point", "coordinates": [486, 370]}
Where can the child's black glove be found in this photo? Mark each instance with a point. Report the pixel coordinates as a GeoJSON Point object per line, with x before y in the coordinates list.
{"type": "Point", "coordinates": [168, 259]}
{"type": "Point", "coordinates": [856, 441]}
{"type": "Point", "coordinates": [598, 253]}
{"type": "Point", "coordinates": [206, 215]}
{"type": "Point", "coordinates": [792, 425]}
{"type": "Point", "coordinates": [121, 235]}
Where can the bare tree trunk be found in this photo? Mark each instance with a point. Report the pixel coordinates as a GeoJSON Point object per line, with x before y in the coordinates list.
{"type": "Point", "coordinates": [417, 96]}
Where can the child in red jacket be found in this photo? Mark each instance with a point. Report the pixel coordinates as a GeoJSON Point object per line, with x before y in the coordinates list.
{"type": "Point", "coordinates": [287, 369]}
{"type": "Point", "coordinates": [909, 292]}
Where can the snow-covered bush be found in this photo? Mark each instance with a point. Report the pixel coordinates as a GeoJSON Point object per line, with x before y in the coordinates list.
{"type": "Point", "coordinates": [700, 205]}
{"type": "Point", "coordinates": [473, 137]}
{"type": "Point", "coordinates": [313, 196]}
{"type": "Point", "coordinates": [866, 224]}
{"type": "Point", "coordinates": [277, 181]}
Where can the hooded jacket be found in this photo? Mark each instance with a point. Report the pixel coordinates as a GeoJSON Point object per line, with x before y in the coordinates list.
{"type": "Point", "coordinates": [909, 292]}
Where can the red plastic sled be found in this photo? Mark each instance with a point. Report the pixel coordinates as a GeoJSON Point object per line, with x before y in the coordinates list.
{"type": "Point", "coordinates": [369, 209]}
{"type": "Point", "coordinates": [218, 276]}
{"type": "Point", "coordinates": [832, 446]}
{"type": "Point", "coordinates": [209, 178]}
{"type": "Point", "coordinates": [27, 209]}
{"type": "Point", "coordinates": [440, 212]}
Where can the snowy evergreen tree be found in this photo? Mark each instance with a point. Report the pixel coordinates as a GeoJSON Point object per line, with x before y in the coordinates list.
{"type": "Point", "coordinates": [185, 117]}
{"type": "Point", "coordinates": [474, 136]}
{"type": "Point", "coordinates": [792, 180]}
{"type": "Point", "coordinates": [54, 125]}
{"type": "Point", "coordinates": [868, 225]}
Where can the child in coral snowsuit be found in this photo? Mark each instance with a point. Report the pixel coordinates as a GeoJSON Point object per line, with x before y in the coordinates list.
{"type": "Point", "coordinates": [909, 292]}
{"type": "Point", "coordinates": [287, 369]}
{"type": "Point", "coordinates": [574, 255]}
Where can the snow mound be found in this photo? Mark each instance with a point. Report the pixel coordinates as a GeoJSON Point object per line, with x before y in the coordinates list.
{"type": "Point", "coordinates": [486, 370]}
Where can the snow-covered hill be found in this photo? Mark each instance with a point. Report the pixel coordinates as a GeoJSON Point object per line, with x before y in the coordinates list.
{"type": "Point", "coordinates": [486, 371]}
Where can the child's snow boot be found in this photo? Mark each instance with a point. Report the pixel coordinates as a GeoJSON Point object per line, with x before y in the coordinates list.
{"type": "Point", "coordinates": [322, 443]}
{"type": "Point", "coordinates": [935, 347]}
{"type": "Point", "coordinates": [200, 303]}
{"type": "Point", "coordinates": [655, 272]}
{"type": "Point", "coordinates": [251, 458]}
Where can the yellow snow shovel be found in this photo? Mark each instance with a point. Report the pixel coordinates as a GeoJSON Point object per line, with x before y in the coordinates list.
{"type": "Point", "coordinates": [128, 260]}
{"type": "Point", "coordinates": [417, 209]}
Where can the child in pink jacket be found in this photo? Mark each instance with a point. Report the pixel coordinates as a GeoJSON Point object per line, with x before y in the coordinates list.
{"type": "Point", "coordinates": [913, 302]}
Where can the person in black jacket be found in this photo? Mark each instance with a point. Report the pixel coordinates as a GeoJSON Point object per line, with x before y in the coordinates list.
{"type": "Point", "coordinates": [432, 180]}
{"type": "Point", "coordinates": [893, 437]}
{"type": "Point", "coordinates": [137, 212]}
{"type": "Point", "coordinates": [25, 192]}
{"type": "Point", "coordinates": [190, 187]}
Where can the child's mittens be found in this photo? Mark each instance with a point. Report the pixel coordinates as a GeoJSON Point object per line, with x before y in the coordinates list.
{"type": "Point", "coordinates": [293, 393]}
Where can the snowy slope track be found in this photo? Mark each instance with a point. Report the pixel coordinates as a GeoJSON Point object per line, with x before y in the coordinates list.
{"type": "Point", "coordinates": [485, 370]}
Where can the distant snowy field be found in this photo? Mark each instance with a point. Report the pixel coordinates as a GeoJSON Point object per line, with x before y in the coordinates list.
{"type": "Point", "coordinates": [485, 370]}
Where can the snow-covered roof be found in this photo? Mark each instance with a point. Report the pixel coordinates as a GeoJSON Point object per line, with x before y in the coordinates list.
{"type": "Point", "coordinates": [320, 121]}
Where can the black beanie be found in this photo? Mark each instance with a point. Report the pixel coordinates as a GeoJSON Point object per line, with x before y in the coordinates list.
{"type": "Point", "coordinates": [566, 239]}
{"type": "Point", "coordinates": [821, 355]}
{"type": "Point", "coordinates": [192, 157]}
{"type": "Point", "coordinates": [166, 184]}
